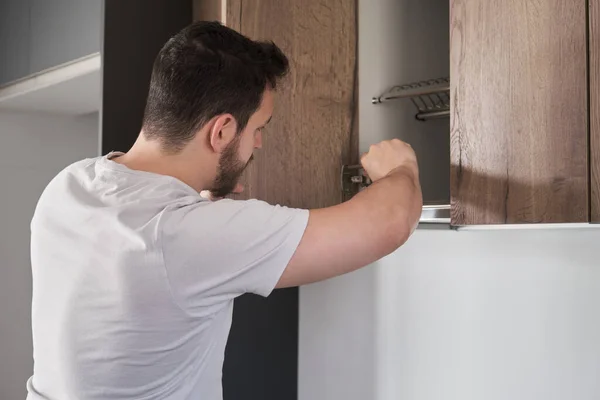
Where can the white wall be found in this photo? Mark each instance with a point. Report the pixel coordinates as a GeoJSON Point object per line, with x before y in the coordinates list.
{"type": "Point", "coordinates": [478, 315]}
{"type": "Point", "coordinates": [33, 148]}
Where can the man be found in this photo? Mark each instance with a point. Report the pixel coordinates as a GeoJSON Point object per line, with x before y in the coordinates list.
{"type": "Point", "coordinates": [135, 273]}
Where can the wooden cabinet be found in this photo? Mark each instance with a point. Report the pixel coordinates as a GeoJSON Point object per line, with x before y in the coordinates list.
{"type": "Point", "coordinates": [519, 112]}
{"type": "Point", "coordinates": [519, 139]}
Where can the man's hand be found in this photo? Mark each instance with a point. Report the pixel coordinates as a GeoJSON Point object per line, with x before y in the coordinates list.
{"type": "Point", "coordinates": [385, 157]}
{"type": "Point", "coordinates": [371, 225]}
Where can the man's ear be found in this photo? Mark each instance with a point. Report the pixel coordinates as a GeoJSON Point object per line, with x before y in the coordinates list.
{"type": "Point", "coordinates": [222, 132]}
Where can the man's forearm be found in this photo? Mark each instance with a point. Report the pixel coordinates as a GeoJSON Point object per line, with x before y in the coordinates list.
{"type": "Point", "coordinates": [393, 205]}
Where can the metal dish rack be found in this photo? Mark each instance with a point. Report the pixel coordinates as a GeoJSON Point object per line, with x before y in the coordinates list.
{"type": "Point", "coordinates": [431, 98]}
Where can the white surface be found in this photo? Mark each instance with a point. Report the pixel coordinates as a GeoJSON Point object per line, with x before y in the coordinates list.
{"type": "Point", "coordinates": [453, 315]}
{"type": "Point", "coordinates": [337, 346]}
{"type": "Point", "coordinates": [459, 316]}
{"type": "Point", "coordinates": [70, 89]}
{"type": "Point", "coordinates": [490, 315]}
{"type": "Point", "coordinates": [33, 148]}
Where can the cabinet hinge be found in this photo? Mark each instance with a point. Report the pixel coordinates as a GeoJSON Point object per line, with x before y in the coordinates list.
{"type": "Point", "coordinates": [353, 180]}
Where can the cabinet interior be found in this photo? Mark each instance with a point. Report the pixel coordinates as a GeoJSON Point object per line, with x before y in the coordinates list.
{"type": "Point", "coordinates": [404, 63]}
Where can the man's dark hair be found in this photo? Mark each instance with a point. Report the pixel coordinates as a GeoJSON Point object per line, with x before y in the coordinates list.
{"type": "Point", "coordinates": [203, 71]}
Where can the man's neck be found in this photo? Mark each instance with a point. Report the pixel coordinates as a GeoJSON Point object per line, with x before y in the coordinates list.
{"type": "Point", "coordinates": [148, 156]}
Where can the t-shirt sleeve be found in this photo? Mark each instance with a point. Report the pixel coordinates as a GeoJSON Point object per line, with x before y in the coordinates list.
{"type": "Point", "coordinates": [218, 250]}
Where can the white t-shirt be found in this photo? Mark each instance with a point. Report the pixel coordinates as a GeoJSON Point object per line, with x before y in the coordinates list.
{"type": "Point", "coordinates": [134, 277]}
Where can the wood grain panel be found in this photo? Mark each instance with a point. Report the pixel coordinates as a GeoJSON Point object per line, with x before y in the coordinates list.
{"type": "Point", "coordinates": [233, 14]}
{"type": "Point", "coordinates": [519, 112]}
{"type": "Point", "coordinates": [208, 10]}
{"type": "Point", "coordinates": [310, 136]}
{"type": "Point", "coordinates": [594, 46]}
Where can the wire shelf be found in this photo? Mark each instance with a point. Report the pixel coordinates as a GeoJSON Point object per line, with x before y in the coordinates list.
{"type": "Point", "coordinates": [431, 98]}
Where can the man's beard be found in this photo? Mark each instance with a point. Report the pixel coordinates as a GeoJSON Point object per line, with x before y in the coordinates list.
{"type": "Point", "coordinates": [229, 170]}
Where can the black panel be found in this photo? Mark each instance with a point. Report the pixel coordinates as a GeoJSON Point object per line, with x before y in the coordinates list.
{"type": "Point", "coordinates": [134, 32]}
{"type": "Point", "coordinates": [261, 360]}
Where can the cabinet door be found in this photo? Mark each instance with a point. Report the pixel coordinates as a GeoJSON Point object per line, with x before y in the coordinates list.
{"type": "Point", "coordinates": [594, 40]}
{"type": "Point", "coordinates": [310, 135]}
{"type": "Point", "coordinates": [519, 140]}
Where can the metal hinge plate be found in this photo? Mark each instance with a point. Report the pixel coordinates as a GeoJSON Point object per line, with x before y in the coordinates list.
{"type": "Point", "coordinates": [353, 180]}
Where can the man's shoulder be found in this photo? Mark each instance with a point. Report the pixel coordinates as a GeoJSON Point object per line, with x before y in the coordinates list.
{"type": "Point", "coordinates": [74, 168]}
{"type": "Point", "coordinates": [57, 192]}
{"type": "Point", "coordinates": [67, 173]}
